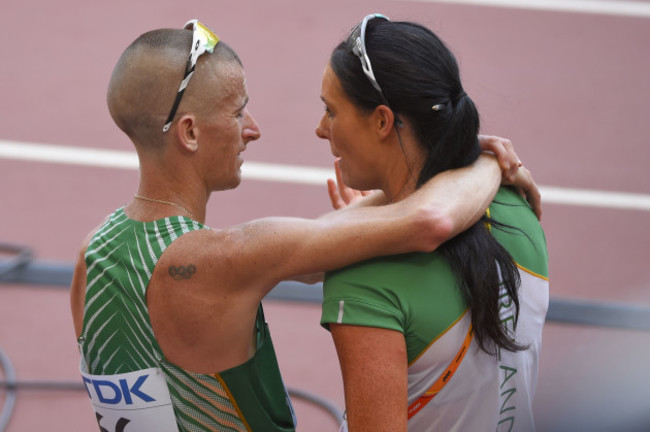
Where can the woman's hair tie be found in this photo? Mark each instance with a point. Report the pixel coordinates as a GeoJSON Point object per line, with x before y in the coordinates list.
{"type": "Point", "coordinates": [461, 94]}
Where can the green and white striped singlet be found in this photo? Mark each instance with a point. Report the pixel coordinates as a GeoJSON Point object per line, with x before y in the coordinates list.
{"type": "Point", "coordinates": [123, 366]}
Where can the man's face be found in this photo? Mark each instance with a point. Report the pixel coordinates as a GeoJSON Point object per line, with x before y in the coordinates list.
{"type": "Point", "coordinates": [226, 127]}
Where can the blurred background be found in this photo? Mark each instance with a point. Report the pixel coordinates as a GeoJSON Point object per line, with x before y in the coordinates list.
{"type": "Point", "coordinates": [566, 81]}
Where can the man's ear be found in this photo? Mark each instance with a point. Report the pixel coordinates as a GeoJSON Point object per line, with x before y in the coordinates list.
{"type": "Point", "coordinates": [187, 132]}
{"type": "Point", "coordinates": [385, 120]}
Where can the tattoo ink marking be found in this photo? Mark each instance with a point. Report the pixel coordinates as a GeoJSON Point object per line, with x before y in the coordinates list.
{"type": "Point", "coordinates": [182, 272]}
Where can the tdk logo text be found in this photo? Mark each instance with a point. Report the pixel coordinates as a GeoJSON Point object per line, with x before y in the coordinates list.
{"type": "Point", "coordinates": [117, 391]}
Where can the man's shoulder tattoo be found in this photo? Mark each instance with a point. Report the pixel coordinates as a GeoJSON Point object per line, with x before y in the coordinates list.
{"type": "Point", "coordinates": [182, 272]}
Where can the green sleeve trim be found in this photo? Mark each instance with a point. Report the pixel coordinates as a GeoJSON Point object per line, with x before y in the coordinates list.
{"type": "Point", "coordinates": [352, 311]}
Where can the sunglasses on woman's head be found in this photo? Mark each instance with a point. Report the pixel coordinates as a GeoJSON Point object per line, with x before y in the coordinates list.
{"type": "Point", "coordinates": [357, 43]}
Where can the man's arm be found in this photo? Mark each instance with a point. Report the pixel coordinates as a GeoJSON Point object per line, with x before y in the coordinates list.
{"type": "Point", "coordinates": [265, 251]}
{"type": "Point", "coordinates": [454, 200]}
{"type": "Point", "coordinates": [77, 293]}
{"type": "Point", "coordinates": [78, 287]}
{"type": "Point", "coordinates": [513, 174]}
{"type": "Point", "coordinates": [236, 267]}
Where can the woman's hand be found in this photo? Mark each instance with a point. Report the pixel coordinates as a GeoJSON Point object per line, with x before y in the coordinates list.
{"type": "Point", "coordinates": [340, 194]}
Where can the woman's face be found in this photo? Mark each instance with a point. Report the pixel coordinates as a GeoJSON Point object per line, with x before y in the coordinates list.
{"type": "Point", "coordinates": [351, 136]}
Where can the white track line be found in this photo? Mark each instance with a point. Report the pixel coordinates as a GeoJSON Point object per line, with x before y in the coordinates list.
{"type": "Point", "coordinates": [34, 152]}
{"type": "Point", "coordinates": [602, 7]}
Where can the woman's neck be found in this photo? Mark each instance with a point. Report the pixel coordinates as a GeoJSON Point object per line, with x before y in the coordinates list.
{"type": "Point", "coordinates": [397, 191]}
{"type": "Point", "coordinates": [402, 176]}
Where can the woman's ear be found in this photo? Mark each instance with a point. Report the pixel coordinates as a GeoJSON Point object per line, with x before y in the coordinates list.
{"type": "Point", "coordinates": [385, 120]}
{"type": "Point", "coordinates": [187, 132]}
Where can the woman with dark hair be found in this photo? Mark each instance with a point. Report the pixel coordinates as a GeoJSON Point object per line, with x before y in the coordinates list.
{"type": "Point", "coordinates": [448, 340]}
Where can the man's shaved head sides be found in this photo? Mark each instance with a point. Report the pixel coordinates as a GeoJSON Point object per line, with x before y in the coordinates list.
{"type": "Point", "coordinates": [146, 78]}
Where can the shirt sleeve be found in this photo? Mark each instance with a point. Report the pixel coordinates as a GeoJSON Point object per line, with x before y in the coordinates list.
{"type": "Point", "coordinates": [361, 295]}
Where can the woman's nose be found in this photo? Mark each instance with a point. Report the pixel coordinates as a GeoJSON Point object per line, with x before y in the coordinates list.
{"type": "Point", "coordinates": [321, 132]}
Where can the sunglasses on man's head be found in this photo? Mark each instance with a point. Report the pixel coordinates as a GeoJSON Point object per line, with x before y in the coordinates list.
{"type": "Point", "coordinates": [203, 40]}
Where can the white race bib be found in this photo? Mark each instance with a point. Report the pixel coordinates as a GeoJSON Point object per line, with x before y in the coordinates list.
{"type": "Point", "coordinates": [131, 402]}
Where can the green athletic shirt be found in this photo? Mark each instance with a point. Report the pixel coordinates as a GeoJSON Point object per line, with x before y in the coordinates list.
{"type": "Point", "coordinates": [123, 366]}
{"type": "Point", "coordinates": [417, 295]}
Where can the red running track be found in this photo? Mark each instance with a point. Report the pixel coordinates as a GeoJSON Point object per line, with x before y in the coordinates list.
{"type": "Point", "coordinates": [570, 89]}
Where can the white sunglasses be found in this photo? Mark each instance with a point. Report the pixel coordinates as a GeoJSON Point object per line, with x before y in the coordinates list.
{"type": "Point", "coordinates": [203, 40]}
{"type": "Point", "coordinates": [359, 49]}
